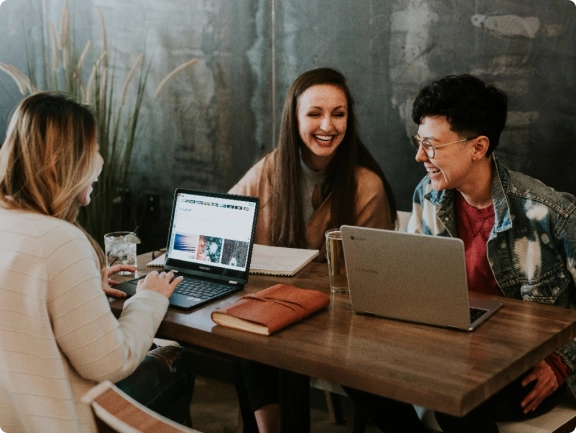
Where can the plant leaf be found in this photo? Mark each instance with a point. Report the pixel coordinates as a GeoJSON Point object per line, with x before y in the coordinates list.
{"type": "Point", "coordinates": [129, 78]}
{"type": "Point", "coordinates": [171, 75]}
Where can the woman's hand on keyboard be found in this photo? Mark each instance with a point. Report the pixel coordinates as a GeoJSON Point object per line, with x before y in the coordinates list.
{"type": "Point", "coordinates": [163, 283]}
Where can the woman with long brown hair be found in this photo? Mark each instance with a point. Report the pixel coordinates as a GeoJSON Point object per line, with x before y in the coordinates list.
{"type": "Point", "coordinates": [58, 336]}
{"type": "Point", "coordinates": [320, 176]}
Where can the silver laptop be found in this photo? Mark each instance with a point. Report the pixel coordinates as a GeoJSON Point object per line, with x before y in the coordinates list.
{"type": "Point", "coordinates": [210, 244]}
{"type": "Point", "coordinates": [411, 277]}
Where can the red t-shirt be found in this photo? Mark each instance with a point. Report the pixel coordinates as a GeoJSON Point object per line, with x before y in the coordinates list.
{"type": "Point", "coordinates": [474, 228]}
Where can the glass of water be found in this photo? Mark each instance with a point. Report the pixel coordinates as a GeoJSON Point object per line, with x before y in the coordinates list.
{"type": "Point", "coordinates": [120, 248]}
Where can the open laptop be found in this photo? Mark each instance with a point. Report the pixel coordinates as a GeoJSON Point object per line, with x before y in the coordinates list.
{"type": "Point", "coordinates": [411, 277]}
{"type": "Point", "coordinates": [210, 244]}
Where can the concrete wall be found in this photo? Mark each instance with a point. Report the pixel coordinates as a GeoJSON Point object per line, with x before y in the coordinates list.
{"type": "Point", "coordinates": [216, 119]}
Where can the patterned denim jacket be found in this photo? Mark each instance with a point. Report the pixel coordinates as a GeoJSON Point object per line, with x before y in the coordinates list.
{"type": "Point", "coordinates": [532, 247]}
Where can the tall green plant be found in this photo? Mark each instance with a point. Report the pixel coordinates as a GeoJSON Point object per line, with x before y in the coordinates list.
{"type": "Point", "coordinates": [65, 69]}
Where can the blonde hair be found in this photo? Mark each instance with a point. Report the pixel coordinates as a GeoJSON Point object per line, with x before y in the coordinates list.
{"type": "Point", "coordinates": [48, 157]}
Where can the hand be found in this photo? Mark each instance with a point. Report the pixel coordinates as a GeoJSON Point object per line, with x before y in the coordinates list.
{"type": "Point", "coordinates": [163, 283]}
{"type": "Point", "coordinates": [107, 283]}
{"type": "Point", "coordinates": [546, 384]}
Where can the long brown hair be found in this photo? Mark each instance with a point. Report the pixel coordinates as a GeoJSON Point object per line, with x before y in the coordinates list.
{"type": "Point", "coordinates": [288, 226]}
{"type": "Point", "coordinates": [48, 157]}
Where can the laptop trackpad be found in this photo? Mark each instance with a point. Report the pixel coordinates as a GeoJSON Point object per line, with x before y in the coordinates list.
{"type": "Point", "coordinates": [128, 287]}
{"type": "Point", "coordinates": [184, 301]}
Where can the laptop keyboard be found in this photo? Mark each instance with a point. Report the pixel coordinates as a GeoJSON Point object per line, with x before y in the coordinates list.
{"type": "Point", "coordinates": [201, 289]}
{"type": "Point", "coordinates": [476, 313]}
{"type": "Point", "coordinates": [198, 288]}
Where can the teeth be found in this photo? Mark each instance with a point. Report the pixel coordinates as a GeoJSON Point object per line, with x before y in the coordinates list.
{"type": "Point", "coordinates": [324, 137]}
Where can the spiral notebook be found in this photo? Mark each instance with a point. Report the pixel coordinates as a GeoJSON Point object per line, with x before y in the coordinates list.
{"type": "Point", "coordinates": [267, 260]}
{"type": "Point", "coordinates": [158, 261]}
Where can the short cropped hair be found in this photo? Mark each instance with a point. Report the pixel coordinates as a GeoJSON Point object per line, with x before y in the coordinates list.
{"type": "Point", "coordinates": [471, 107]}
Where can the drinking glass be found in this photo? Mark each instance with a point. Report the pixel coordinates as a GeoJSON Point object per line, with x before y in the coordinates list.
{"type": "Point", "coordinates": [336, 263]}
{"type": "Point", "coordinates": [120, 249]}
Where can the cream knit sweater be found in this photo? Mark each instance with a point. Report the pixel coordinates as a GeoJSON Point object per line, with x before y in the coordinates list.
{"type": "Point", "coordinates": [58, 336]}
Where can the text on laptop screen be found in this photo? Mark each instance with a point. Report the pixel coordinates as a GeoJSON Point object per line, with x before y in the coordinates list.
{"type": "Point", "coordinates": [211, 229]}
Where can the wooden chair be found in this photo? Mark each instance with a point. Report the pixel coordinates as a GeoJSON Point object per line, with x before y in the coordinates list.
{"type": "Point", "coordinates": [115, 411]}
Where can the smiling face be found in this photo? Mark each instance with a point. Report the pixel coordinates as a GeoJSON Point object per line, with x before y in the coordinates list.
{"type": "Point", "coordinates": [322, 114]}
{"type": "Point", "coordinates": [452, 166]}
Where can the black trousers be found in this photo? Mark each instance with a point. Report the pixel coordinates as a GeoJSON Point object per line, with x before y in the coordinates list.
{"type": "Point", "coordinates": [503, 406]}
{"type": "Point", "coordinates": [392, 416]}
{"type": "Point", "coordinates": [256, 385]}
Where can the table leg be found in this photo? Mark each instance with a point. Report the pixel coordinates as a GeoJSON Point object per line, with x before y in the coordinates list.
{"type": "Point", "coordinates": [294, 402]}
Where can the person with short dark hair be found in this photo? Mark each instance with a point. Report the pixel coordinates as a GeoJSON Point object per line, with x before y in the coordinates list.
{"type": "Point", "coordinates": [519, 237]}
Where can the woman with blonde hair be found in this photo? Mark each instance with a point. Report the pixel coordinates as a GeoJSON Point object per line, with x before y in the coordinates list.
{"type": "Point", "coordinates": [58, 336]}
{"type": "Point", "coordinates": [320, 176]}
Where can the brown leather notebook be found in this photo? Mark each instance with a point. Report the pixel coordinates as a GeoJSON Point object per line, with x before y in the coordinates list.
{"type": "Point", "coordinates": [271, 309]}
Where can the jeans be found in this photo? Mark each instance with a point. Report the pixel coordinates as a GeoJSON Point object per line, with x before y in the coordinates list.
{"type": "Point", "coordinates": [163, 382]}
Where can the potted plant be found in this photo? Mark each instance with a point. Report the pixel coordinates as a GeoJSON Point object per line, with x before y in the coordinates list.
{"type": "Point", "coordinates": [117, 110]}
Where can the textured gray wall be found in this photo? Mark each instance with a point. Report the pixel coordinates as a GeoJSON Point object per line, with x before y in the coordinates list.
{"type": "Point", "coordinates": [216, 119]}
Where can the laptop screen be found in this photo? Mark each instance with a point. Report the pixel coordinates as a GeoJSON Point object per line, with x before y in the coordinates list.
{"type": "Point", "coordinates": [212, 232]}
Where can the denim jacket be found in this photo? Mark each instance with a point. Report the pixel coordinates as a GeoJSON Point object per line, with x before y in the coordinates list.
{"type": "Point", "coordinates": [532, 246]}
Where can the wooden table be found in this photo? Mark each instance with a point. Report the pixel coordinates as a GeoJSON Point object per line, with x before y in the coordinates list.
{"type": "Point", "coordinates": [441, 369]}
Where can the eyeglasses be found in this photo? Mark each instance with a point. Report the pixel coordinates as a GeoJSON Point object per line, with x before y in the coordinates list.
{"type": "Point", "coordinates": [429, 148]}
